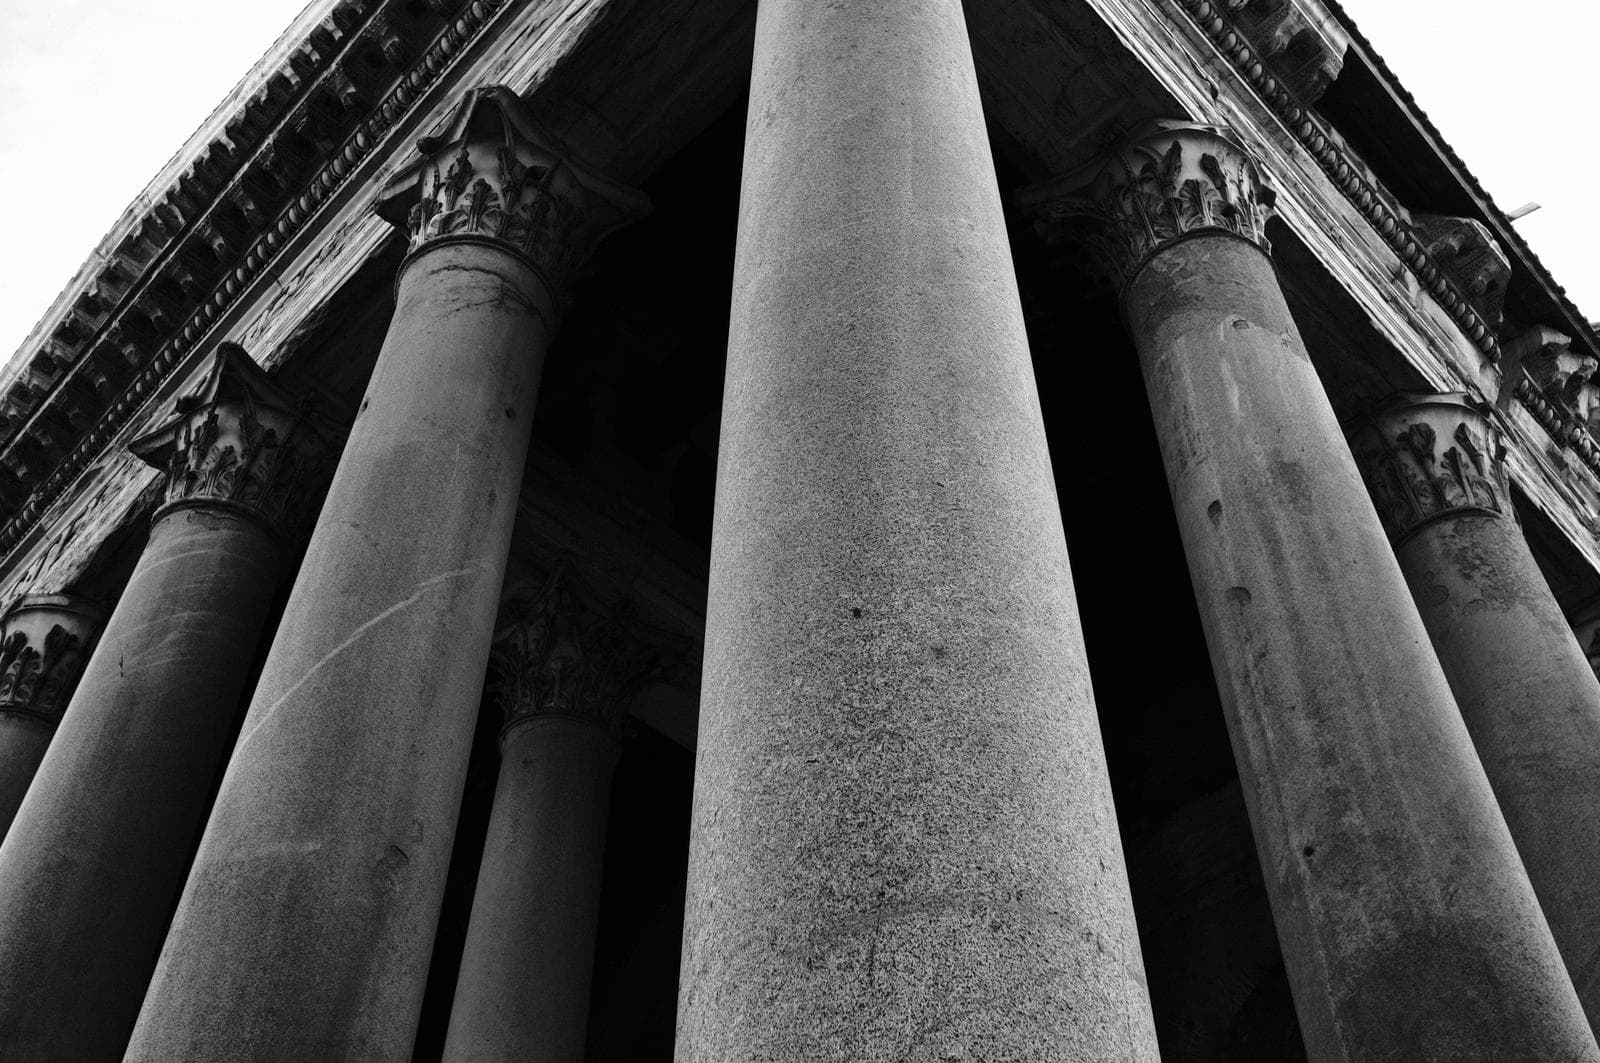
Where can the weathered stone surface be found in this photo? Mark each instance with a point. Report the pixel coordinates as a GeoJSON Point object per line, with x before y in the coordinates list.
{"type": "Point", "coordinates": [317, 884]}
{"type": "Point", "coordinates": [566, 670]}
{"type": "Point", "coordinates": [101, 844]}
{"type": "Point", "coordinates": [45, 641]}
{"type": "Point", "coordinates": [1405, 915]}
{"type": "Point", "coordinates": [903, 842]}
{"type": "Point", "coordinates": [1466, 251]}
{"type": "Point", "coordinates": [1524, 685]}
{"type": "Point", "coordinates": [523, 990]}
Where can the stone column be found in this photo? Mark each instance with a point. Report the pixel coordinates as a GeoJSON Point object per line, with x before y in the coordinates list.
{"type": "Point", "coordinates": [1407, 922]}
{"type": "Point", "coordinates": [1586, 629]}
{"type": "Point", "coordinates": [45, 640]}
{"type": "Point", "coordinates": [101, 844]}
{"type": "Point", "coordinates": [1529, 697]}
{"type": "Point", "coordinates": [523, 991]}
{"type": "Point", "coordinates": [903, 837]}
{"type": "Point", "coordinates": [308, 917]}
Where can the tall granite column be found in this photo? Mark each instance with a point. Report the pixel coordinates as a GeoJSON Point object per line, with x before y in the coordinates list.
{"type": "Point", "coordinates": [1525, 688]}
{"type": "Point", "coordinates": [45, 640]}
{"type": "Point", "coordinates": [903, 837]}
{"type": "Point", "coordinates": [1408, 925]}
{"type": "Point", "coordinates": [308, 917]}
{"type": "Point", "coordinates": [98, 851]}
{"type": "Point", "coordinates": [523, 988]}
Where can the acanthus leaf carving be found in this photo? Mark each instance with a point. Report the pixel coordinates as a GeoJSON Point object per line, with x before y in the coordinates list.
{"type": "Point", "coordinates": [1168, 180]}
{"type": "Point", "coordinates": [559, 654]}
{"type": "Point", "coordinates": [45, 642]}
{"type": "Point", "coordinates": [507, 180]}
{"type": "Point", "coordinates": [233, 437]}
{"type": "Point", "coordinates": [1412, 481]}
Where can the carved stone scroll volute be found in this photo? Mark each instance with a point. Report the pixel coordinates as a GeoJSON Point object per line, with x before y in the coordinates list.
{"type": "Point", "coordinates": [494, 174]}
{"type": "Point", "coordinates": [1168, 180]}
{"type": "Point", "coordinates": [235, 439]}
{"type": "Point", "coordinates": [1430, 456]}
{"type": "Point", "coordinates": [45, 641]}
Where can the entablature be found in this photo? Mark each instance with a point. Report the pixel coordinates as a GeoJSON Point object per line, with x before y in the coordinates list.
{"type": "Point", "coordinates": [1372, 245]}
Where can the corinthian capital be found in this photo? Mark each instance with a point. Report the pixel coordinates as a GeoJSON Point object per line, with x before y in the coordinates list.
{"type": "Point", "coordinates": [234, 439]}
{"type": "Point", "coordinates": [45, 641]}
{"type": "Point", "coordinates": [1430, 456]}
{"type": "Point", "coordinates": [493, 174]}
{"type": "Point", "coordinates": [560, 656]}
{"type": "Point", "coordinates": [1168, 180]}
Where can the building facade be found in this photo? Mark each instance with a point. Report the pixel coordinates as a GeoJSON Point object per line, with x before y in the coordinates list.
{"type": "Point", "coordinates": [544, 535]}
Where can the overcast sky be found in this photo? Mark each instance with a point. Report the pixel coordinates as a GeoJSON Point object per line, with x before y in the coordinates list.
{"type": "Point", "coordinates": [95, 95]}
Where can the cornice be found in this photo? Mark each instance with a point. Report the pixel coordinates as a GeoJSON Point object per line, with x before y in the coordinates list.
{"type": "Point", "coordinates": [125, 354]}
{"type": "Point", "coordinates": [1387, 219]}
{"type": "Point", "coordinates": [1574, 321]}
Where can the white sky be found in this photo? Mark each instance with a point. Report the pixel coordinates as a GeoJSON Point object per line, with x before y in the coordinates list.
{"type": "Point", "coordinates": [95, 95]}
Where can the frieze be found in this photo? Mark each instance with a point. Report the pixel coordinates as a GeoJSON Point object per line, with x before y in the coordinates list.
{"type": "Point", "coordinates": [492, 173]}
{"type": "Point", "coordinates": [1430, 456]}
{"type": "Point", "coordinates": [1168, 180]}
{"type": "Point", "coordinates": [233, 438]}
{"type": "Point", "coordinates": [559, 654]}
{"type": "Point", "coordinates": [45, 642]}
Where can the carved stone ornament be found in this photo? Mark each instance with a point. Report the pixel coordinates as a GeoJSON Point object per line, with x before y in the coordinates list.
{"type": "Point", "coordinates": [492, 173]}
{"type": "Point", "coordinates": [45, 641]}
{"type": "Point", "coordinates": [1473, 259]}
{"type": "Point", "coordinates": [1430, 456]}
{"type": "Point", "coordinates": [1559, 370]}
{"type": "Point", "coordinates": [1300, 40]}
{"type": "Point", "coordinates": [559, 656]}
{"type": "Point", "coordinates": [1168, 180]}
{"type": "Point", "coordinates": [233, 438]}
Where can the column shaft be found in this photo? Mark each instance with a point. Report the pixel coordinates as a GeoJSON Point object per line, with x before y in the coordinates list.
{"type": "Point", "coordinates": [1524, 685]}
{"type": "Point", "coordinates": [99, 849]}
{"type": "Point", "coordinates": [903, 836]}
{"type": "Point", "coordinates": [23, 741]}
{"type": "Point", "coordinates": [309, 914]}
{"type": "Point", "coordinates": [1407, 922]}
{"type": "Point", "coordinates": [523, 991]}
